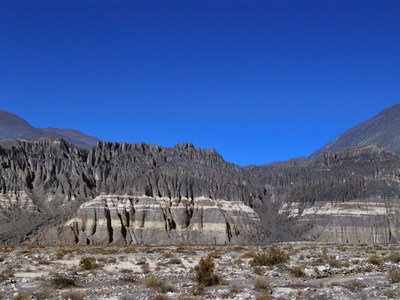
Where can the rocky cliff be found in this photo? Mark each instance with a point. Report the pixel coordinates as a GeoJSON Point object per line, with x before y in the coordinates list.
{"type": "Point", "coordinates": [348, 196]}
{"type": "Point", "coordinates": [123, 193]}
{"type": "Point", "coordinates": [54, 192]}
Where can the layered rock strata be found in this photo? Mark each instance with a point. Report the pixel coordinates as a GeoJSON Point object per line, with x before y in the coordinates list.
{"type": "Point", "coordinates": [53, 192]}
{"type": "Point", "coordinates": [113, 219]}
{"type": "Point", "coordinates": [350, 196]}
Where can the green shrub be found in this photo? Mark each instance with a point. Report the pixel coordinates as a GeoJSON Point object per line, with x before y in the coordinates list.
{"type": "Point", "coordinates": [88, 263]}
{"type": "Point", "coordinates": [334, 263]}
{"type": "Point", "coordinates": [151, 282]}
{"type": "Point", "coordinates": [375, 260]}
{"type": "Point", "coordinates": [394, 257]}
{"type": "Point", "coordinates": [175, 261]}
{"type": "Point", "coordinates": [262, 284]}
{"type": "Point", "coordinates": [168, 255]}
{"type": "Point", "coordinates": [258, 270]}
{"type": "Point", "coordinates": [298, 271]}
{"type": "Point", "coordinates": [273, 257]}
{"type": "Point", "coordinates": [63, 281]}
{"type": "Point", "coordinates": [205, 272]}
{"type": "Point", "coordinates": [394, 276]}
{"type": "Point", "coordinates": [60, 254]}
{"type": "Point", "coordinates": [161, 286]}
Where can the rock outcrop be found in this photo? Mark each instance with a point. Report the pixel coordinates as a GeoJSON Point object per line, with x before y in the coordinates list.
{"type": "Point", "coordinates": [54, 192]}
{"type": "Point", "coordinates": [350, 196]}
{"type": "Point", "coordinates": [112, 219]}
{"type": "Point", "coordinates": [124, 193]}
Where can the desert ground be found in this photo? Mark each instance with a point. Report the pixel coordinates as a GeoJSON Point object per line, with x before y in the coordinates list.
{"type": "Point", "coordinates": [279, 271]}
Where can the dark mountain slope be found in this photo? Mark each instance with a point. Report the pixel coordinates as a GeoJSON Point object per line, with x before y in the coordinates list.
{"type": "Point", "coordinates": [383, 129]}
{"type": "Point", "coordinates": [13, 127]}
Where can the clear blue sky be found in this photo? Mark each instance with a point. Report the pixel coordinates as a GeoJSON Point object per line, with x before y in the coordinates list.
{"type": "Point", "coordinates": [259, 81]}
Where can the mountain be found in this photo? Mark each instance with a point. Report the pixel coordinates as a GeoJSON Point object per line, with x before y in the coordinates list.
{"type": "Point", "coordinates": [13, 127]}
{"type": "Point", "coordinates": [53, 192]}
{"type": "Point", "coordinates": [116, 193]}
{"type": "Point", "coordinates": [383, 129]}
{"type": "Point", "coordinates": [124, 194]}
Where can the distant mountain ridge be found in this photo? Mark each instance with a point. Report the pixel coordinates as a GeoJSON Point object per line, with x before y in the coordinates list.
{"type": "Point", "coordinates": [383, 129]}
{"type": "Point", "coordinates": [13, 127]}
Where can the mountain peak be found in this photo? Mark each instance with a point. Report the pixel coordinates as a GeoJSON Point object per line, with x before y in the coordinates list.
{"type": "Point", "coordinates": [383, 129]}
{"type": "Point", "coordinates": [13, 127]}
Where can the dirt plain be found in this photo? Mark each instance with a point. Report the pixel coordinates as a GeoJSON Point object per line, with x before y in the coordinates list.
{"type": "Point", "coordinates": [308, 271]}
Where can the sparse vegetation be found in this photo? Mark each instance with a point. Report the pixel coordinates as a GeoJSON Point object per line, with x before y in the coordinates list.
{"type": "Point", "coordinates": [273, 257]}
{"type": "Point", "coordinates": [394, 257]}
{"type": "Point", "coordinates": [262, 284]}
{"type": "Point", "coordinates": [88, 263]}
{"type": "Point", "coordinates": [298, 271]}
{"type": "Point", "coordinates": [160, 285]}
{"type": "Point", "coordinates": [205, 272]}
{"type": "Point", "coordinates": [394, 276]}
{"type": "Point", "coordinates": [334, 263]}
{"type": "Point", "coordinates": [375, 260]}
{"type": "Point", "coordinates": [124, 270]}
{"type": "Point", "coordinates": [63, 281]}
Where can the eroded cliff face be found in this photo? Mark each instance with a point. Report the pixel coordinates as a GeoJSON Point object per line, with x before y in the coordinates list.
{"type": "Point", "coordinates": [52, 192]}
{"type": "Point", "coordinates": [116, 219]}
{"type": "Point", "coordinates": [124, 194]}
{"type": "Point", "coordinates": [350, 196]}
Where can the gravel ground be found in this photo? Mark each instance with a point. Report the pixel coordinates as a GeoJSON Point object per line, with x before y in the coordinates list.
{"type": "Point", "coordinates": [307, 271]}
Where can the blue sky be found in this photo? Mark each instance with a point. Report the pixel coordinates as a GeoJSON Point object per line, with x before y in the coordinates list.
{"type": "Point", "coordinates": [259, 81]}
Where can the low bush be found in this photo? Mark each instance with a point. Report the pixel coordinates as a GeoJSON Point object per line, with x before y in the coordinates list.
{"type": "Point", "coordinates": [175, 261]}
{"type": "Point", "coordinates": [298, 271]}
{"type": "Point", "coordinates": [168, 255]}
{"type": "Point", "coordinates": [63, 281]}
{"type": "Point", "coordinates": [60, 254]}
{"type": "Point", "coordinates": [394, 257]}
{"type": "Point", "coordinates": [88, 263]}
{"type": "Point", "coordinates": [161, 286]}
{"type": "Point", "coordinates": [273, 257]}
{"type": "Point", "coordinates": [205, 272]}
{"type": "Point", "coordinates": [394, 276]}
{"type": "Point", "coordinates": [334, 263]}
{"type": "Point", "coordinates": [262, 284]}
{"type": "Point", "coordinates": [151, 282]}
{"type": "Point", "coordinates": [258, 270]}
{"type": "Point", "coordinates": [375, 260]}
